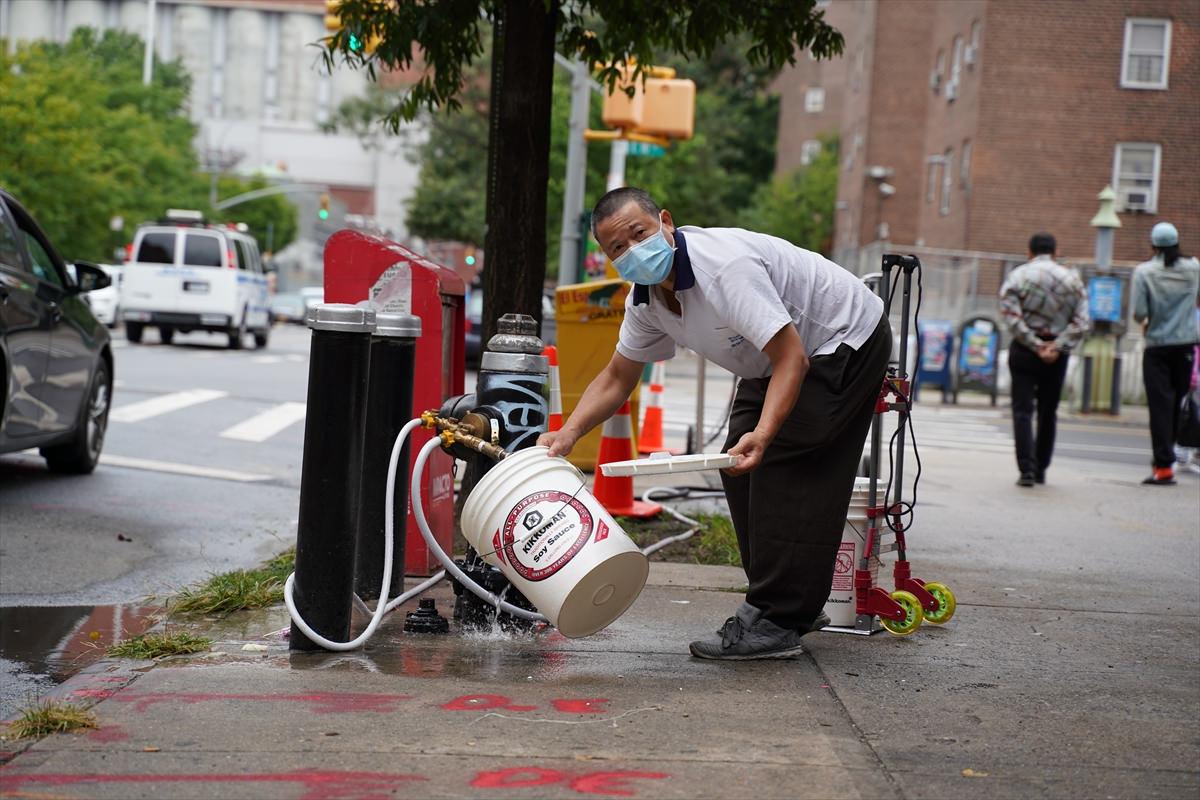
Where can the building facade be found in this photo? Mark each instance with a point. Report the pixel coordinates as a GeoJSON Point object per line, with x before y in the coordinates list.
{"type": "Point", "coordinates": [260, 94]}
{"type": "Point", "coordinates": [970, 125]}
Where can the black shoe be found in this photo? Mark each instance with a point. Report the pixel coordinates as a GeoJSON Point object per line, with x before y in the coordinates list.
{"type": "Point", "coordinates": [1039, 477]}
{"type": "Point", "coordinates": [1026, 479]}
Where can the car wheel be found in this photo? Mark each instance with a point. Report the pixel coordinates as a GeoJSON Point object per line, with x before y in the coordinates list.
{"type": "Point", "coordinates": [80, 455]}
{"type": "Point", "coordinates": [133, 332]}
{"type": "Point", "coordinates": [261, 338]}
{"type": "Point", "coordinates": [166, 334]}
{"type": "Point", "coordinates": [238, 335]}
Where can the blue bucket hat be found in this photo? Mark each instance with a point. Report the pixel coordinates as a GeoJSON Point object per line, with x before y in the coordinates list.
{"type": "Point", "coordinates": [1164, 235]}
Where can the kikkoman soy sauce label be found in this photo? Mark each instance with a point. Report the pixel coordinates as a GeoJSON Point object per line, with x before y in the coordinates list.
{"type": "Point", "coordinates": [543, 532]}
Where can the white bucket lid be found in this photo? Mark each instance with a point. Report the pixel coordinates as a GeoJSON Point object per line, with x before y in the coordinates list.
{"type": "Point", "coordinates": [663, 463]}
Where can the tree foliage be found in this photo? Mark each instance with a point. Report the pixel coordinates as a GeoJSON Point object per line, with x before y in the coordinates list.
{"type": "Point", "coordinates": [84, 141]}
{"type": "Point", "coordinates": [443, 40]}
{"type": "Point", "coordinates": [799, 206]}
{"type": "Point", "coordinates": [440, 41]}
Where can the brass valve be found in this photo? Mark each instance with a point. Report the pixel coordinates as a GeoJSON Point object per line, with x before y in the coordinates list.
{"type": "Point", "coordinates": [470, 432]}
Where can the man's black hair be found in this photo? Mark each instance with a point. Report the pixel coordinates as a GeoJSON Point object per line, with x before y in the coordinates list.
{"type": "Point", "coordinates": [617, 199]}
{"type": "Point", "coordinates": [1042, 244]}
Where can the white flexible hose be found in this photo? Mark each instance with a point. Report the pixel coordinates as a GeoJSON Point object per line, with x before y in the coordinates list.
{"type": "Point", "coordinates": [388, 533]}
{"type": "Point", "coordinates": [436, 549]}
{"type": "Point", "coordinates": [661, 543]}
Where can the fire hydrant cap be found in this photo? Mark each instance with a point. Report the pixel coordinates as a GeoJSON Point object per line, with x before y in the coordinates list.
{"type": "Point", "coordinates": [406, 326]}
{"type": "Point", "coordinates": [341, 317]}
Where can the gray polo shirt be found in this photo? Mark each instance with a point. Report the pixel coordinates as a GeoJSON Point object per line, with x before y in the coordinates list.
{"type": "Point", "coordinates": [737, 289]}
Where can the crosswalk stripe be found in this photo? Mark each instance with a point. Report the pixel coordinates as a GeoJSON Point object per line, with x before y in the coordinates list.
{"type": "Point", "coordinates": [182, 469]}
{"type": "Point", "coordinates": [263, 426]}
{"type": "Point", "coordinates": [145, 409]}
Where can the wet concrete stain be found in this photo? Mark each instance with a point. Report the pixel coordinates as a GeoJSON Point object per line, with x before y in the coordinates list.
{"type": "Point", "coordinates": [41, 647]}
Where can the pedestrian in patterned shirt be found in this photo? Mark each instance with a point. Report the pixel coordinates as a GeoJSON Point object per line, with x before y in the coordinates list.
{"type": "Point", "coordinates": [1045, 306]}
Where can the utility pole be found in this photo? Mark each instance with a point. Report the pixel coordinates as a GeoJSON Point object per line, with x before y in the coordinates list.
{"type": "Point", "coordinates": [571, 241]}
{"type": "Point", "coordinates": [148, 58]}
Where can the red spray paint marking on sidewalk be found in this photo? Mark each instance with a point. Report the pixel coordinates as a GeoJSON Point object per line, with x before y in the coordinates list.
{"type": "Point", "coordinates": [319, 702]}
{"type": "Point", "coordinates": [484, 702]}
{"type": "Point", "coordinates": [317, 784]}
{"type": "Point", "coordinates": [613, 784]}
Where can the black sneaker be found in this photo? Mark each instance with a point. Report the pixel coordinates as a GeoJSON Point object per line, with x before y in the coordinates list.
{"type": "Point", "coordinates": [746, 636]}
{"type": "Point", "coordinates": [1026, 479]}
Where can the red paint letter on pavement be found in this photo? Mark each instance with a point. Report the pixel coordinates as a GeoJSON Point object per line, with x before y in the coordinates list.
{"type": "Point", "coordinates": [612, 783]}
{"type": "Point", "coordinates": [517, 777]}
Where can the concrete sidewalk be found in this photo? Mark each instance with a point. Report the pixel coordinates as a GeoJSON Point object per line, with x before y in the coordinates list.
{"type": "Point", "coordinates": [1070, 670]}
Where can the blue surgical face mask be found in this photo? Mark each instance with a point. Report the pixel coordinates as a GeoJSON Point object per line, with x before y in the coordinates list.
{"type": "Point", "coordinates": [649, 261]}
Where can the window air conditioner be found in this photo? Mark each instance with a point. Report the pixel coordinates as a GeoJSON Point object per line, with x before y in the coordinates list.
{"type": "Point", "coordinates": [1135, 201]}
{"type": "Point", "coordinates": [951, 90]}
{"type": "Point", "coordinates": [935, 80]}
{"type": "Point", "coordinates": [969, 55]}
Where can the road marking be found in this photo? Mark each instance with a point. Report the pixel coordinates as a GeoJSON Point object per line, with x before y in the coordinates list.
{"type": "Point", "coordinates": [181, 469]}
{"type": "Point", "coordinates": [263, 426]}
{"type": "Point", "coordinates": [145, 409]}
{"type": "Point", "coordinates": [266, 359]}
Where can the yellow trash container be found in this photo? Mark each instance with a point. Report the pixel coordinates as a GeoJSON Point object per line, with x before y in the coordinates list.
{"type": "Point", "coordinates": [589, 320]}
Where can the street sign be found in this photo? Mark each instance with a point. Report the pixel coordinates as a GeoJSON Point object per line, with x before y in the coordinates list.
{"type": "Point", "coordinates": [1104, 298]}
{"type": "Point", "coordinates": [646, 149]}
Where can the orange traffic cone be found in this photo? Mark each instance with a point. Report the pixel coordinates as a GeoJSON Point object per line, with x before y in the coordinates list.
{"type": "Point", "coordinates": [555, 420]}
{"type": "Point", "coordinates": [650, 438]}
{"type": "Point", "coordinates": [616, 494]}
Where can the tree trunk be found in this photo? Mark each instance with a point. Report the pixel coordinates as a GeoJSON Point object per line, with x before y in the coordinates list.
{"type": "Point", "coordinates": [518, 160]}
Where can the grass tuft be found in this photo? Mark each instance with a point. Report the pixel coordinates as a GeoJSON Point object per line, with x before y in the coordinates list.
{"type": "Point", "coordinates": [717, 542]}
{"type": "Point", "coordinates": [157, 645]}
{"type": "Point", "coordinates": [50, 716]}
{"type": "Point", "coordinates": [237, 590]}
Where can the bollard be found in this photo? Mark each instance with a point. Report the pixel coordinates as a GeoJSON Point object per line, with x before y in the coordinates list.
{"type": "Point", "coordinates": [1114, 407]}
{"type": "Point", "coordinates": [329, 483]}
{"type": "Point", "coordinates": [1085, 400]}
{"type": "Point", "coordinates": [389, 407]}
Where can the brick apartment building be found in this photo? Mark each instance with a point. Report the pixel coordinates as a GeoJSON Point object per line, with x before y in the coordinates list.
{"type": "Point", "coordinates": [970, 124]}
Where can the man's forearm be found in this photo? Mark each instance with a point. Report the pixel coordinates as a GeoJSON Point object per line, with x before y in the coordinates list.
{"type": "Point", "coordinates": [782, 392]}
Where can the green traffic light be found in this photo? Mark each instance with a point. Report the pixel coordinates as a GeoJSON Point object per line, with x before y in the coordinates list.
{"type": "Point", "coordinates": [355, 43]}
{"type": "Point", "coordinates": [323, 214]}
{"type": "Point", "coordinates": [470, 261]}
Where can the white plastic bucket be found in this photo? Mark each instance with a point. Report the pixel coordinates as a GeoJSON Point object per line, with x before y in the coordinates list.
{"type": "Point", "coordinates": [533, 517]}
{"type": "Point", "coordinates": [842, 602]}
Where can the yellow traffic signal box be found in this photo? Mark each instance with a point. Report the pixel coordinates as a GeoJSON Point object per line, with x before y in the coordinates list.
{"type": "Point", "coordinates": [669, 108]}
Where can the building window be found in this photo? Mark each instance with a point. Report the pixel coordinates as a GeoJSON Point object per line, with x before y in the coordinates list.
{"type": "Point", "coordinates": [809, 152]}
{"type": "Point", "coordinates": [271, 71]}
{"type": "Point", "coordinates": [931, 182]}
{"type": "Point", "coordinates": [947, 181]}
{"type": "Point", "coordinates": [814, 100]}
{"type": "Point", "coordinates": [956, 61]}
{"type": "Point", "coordinates": [220, 22]}
{"type": "Point", "coordinates": [964, 169]}
{"type": "Point", "coordinates": [939, 68]}
{"type": "Point", "coordinates": [976, 37]}
{"type": "Point", "coordinates": [1147, 56]}
{"type": "Point", "coordinates": [1135, 176]}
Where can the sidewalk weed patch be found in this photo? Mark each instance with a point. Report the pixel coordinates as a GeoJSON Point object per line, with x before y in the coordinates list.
{"type": "Point", "coordinates": [50, 716]}
{"type": "Point", "coordinates": [157, 645]}
{"type": "Point", "coordinates": [717, 541]}
{"type": "Point", "coordinates": [237, 590]}
{"type": "Point", "coordinates": [714, 544]}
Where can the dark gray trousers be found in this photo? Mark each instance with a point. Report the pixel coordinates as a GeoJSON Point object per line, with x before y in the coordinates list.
{"type": "Point", "coordinates": [790, 512]}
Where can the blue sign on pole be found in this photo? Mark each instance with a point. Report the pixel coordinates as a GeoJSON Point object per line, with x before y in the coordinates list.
{"type": "Point", "coordinates": [936, 347]}
{"type": "Point", "coordinates": [1104, 298]}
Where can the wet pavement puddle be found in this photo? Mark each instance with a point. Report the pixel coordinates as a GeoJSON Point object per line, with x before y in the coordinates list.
{"type": "Point", "coordinates": [42, 646]}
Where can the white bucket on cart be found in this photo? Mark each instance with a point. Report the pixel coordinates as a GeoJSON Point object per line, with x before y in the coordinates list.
{"type": "Point", "coordinates": [533, 517]}
{"type": "Point", "coordinates": [842, 601]}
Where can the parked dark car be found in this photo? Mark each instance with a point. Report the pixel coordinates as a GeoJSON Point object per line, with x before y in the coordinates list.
{"type": "Point", "coordinates": [55, 356]}
{"type": "Point", "coordinates": [474, 345]}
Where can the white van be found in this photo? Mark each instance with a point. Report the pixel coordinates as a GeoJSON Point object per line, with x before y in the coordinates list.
{"type": "Point", "coordinates": [186, 275]}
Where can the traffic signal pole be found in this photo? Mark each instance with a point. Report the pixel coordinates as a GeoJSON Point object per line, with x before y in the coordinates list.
{"type": "Point", "coordinates": [571, 241]}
